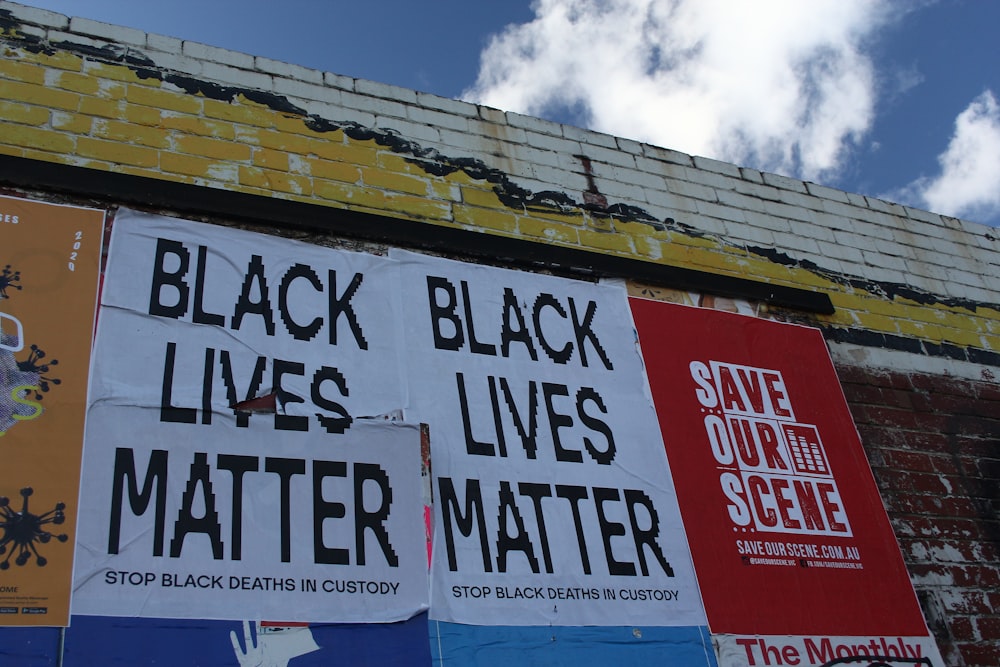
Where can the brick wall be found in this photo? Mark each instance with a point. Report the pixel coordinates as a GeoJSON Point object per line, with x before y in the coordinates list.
{"type": "Point", "coordinates": [932, 442]}
{"type": "Point", "coordinates": [915, 327]}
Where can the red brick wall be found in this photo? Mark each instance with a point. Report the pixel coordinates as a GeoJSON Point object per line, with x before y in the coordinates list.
{"type": "Point", "coordinates": [934, 446]}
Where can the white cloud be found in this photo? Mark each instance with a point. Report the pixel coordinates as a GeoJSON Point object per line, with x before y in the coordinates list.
{"type": "Point", "coordinates": [969, 183]}
{"type": "Point", "coordinates": [783, 85]}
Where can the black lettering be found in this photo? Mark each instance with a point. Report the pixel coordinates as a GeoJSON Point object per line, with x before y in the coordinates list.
{"type": "Point", "coordinates": [342, 306]}
{"type": "Point", "coordinates": [520, 542]}
{"type": "Point", "coordinates": [284, 469]}
{"type": "Point", "coordinates": [557, 420]}
{"type": "Point", "coordinates": [473, 512]}
{"type": "Point", "coordinates": [648, 536]}
{"type": "Point", "coordinates": [584, 332]}
{"type": "Point", "coordinates": [325, 509]}
{"type": "Point", "coordinates": [559, 356]}
{"type": "Point", "coordinates": [509, 335]}
{"type": "Point", "coordinates": [163, 279]}
{"type": "Point", "coordinates": [472, 446]}
{"type": "Point", "coordinates": [474, 345]}
{"type": "Point", "coordinates": [156, 473]}
{"type": "Point", "coordinates": [444, 312]}
{"type": "Point", "coordinates": [199, 316]}
{"type": "Point", "coordinates": [237, 466]}
{"type": "Point", "coordinates": [608, 455]}
{"type": "Point", "coordinates": [611, 529]}
{"type": "Point", "coordinates": [375, 520]}
{"type": "Point", "coordinates": [282, 420]}
{"type": "Point", "coordinates": [574, 494]}
{"type": "Point", "coordinates": [299, 332]}
{"type": "Point", "coordinates": [343, 420]}
{"type": "Point", "coordinates": [536, 492]}
{"type": "Point", "coordinates": [169, 413]}
{"type": "Point", "coordinates": [186, 522]}
{"type": "Point", "coordinates": [242, 417]}
{"type": "Point", "coordinates": [262, 307]}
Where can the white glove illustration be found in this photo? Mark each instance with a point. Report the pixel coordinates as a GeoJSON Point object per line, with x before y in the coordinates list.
{"type": "Point", "coordinates": [271, 646]}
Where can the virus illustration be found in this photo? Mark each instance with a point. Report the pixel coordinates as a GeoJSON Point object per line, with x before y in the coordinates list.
{"type": "Point", "coordinates": [7, 280]}
{"type": "Point", "coordinates": [23, 531]}
{"type": "Point", "coordinates": [35, 364]}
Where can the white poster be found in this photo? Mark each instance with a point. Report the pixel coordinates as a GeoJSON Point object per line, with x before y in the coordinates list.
{"type": "Point", "coordinates": [553, 500]}
{"type": "Point", "coordinates": [240, 461]}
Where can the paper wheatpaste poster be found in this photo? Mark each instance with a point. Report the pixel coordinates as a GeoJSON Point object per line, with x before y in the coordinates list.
{"type": "Point", "coordinates": [241, 459]}
{"type": "Point", "coordinates": [50, 259]}
{"type": "Point", "coordinates": [553, 499]}
{"type": "Point", "coordinates": [796, 558]}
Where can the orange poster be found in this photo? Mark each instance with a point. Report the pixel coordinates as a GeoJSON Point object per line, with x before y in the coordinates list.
{"type": "Point", "coordinates": [50, 259]}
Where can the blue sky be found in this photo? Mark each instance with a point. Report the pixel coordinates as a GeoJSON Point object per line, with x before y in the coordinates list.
{"type": "Point", "coordinates": [893, 98]}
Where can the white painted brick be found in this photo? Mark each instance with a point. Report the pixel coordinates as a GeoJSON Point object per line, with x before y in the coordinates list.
{"type": "Point", "coordinates": [769, 222]}
{"type": "Point", "coordinates": [816, 232]}
{"type": "Point", "coordinates": [607, 172]}
{"type": "Point", "coordinates": [340, 114]}
{"type": "Point", "coordinates": [57, 37]}
{"type": "Point", "coordinates": [896, 249]}
{"type": "Point", "coordinates": [841, 252]}
{"type": "Point", "coordinates": [375, 105]}
{"type": "Point", "coordinates": [717, 166]}
{"type": "Point", "coordinates": [33, 31]}
{"type": "Point", "coordinates": [287, 70]}
{"type": "Point", "coordinates": [171, 45]}
{"type": "Point", "coordinates": [599, 154]}
{"type": "Point", "coordinates": [534, 124]}
{"type": "Point", "coordinates": [307, 91]}
{"type": "Point", "coordinates": [795, 244]}
{"type": "Point", "coordinates": [667, 170]}
{"type": "Point", "coordinates": [671, 202]}
{"type": "Point", "coordinates": [503, 132]}
{"type": "Point", "coordinates": [560, 179]}
{"type": "Point", "coordinates": [751, 175]}
{"type": "Point", "coordinates": [625, 193]}
{"type": "Point", "coordinates": [712, 179]}
{"type": "Point", "coordinates": [589, 137]}
{"type": "Point", "coordinates": [174, 62]}
{"type": "Point", "coordinates": [757, 191]}
{"type": "Point", "coordinates": [879, 274]}
{"type": "Point", "coordinates": [215, 54]}
{"type": "Point", "coordinates": [824, 192]}
{"type": "Point", "coordinates": [629, 146]}
{"type": "Point", "coordinates": [438, 118]}
{"type": "Point", "coordinates": [720, 211]}
{"type": "Point", "coordinates": [107, 31]}
{"type": "Point", "coordinates": [857, 200]}
{"type": "Point", "coordinates": [667, 155]}
{"type": "Point", "coordinates": [547, 142]}
{"type": "Point", "coordinates": [741, 201]}
{"type": "Point", "coordinates": [884, 261]}
{"type": "Point", "coordinates": [705, 224]}
{"type": "Point", "coordinates": [338, 81]}
{"type": "Point", "coordinates": [965, 278]}
{"type": "Point", "coordinates": [885, 206]}
{"type": "Point", "coordinates": [692, 190]}
{"type": "Point", "coordinates": [800, 200]}
{"type": "Point", "coordinates": [531, 155]}
{"type": "Point", "coordinates": [784, 182]}
{"type": "Point", "coordinates": [42, 17]}
{"type": "Point", "coordinates": [491, 115]}
{"type": "Point", "coordinates": [457, 107]}
{"type": "Point", "coordinates": [746, 233]}
{"type": "Point", "coordinates": [384, 90]}
{"type": "Point", "coordinates": [413, 131]}
{"type": "Point", "coordinates": [240, 78]}
{"type": "Point", "coordinates": [479, 143]}
{"type": "Point", "coordinates": [926, 216]}
{"type": "Point", "coordinates": [786, 211]}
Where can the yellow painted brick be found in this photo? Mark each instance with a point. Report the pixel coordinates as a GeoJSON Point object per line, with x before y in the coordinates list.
{"type": "Point", "coordinates": [141, 115]}
{"type": "Point", "coordinates": [296, 124]}
{"type": "Point", "coordinates": [22, 71]}
{"type": "Point", "coordinates": [600, 223]}
{"type": "Point", "coordinates": [41, 96]}
{"type": "Point", "coordinates": [333, 171]}
{"type": "Point", "coordinates": [991, 342]}
{"type": "Point", "coordinates": [648, 246]}
{"type": "Point", "coordinates": [354, 152]}
{"type": "Point", "coordinates": [921, 330]}
{"type": "Point", "coordinates": [418, 207]}
{"type": "Point", "coordinates": [33, 137]}
{"type": "Point", "coordinates": [963, 338]}
{"type": "Point", "coordinates": [62, 60]}
{"type": "Point", "coordinates": [71, 122]}
{"type": "Point", "coordinates": [111, 90]}
{"type": "Point", "coordinates": [396, 182]}
{"type": "Point", "coordinates": [256, 116]}
{"type": "Point", "coordinates": [445, 190]}
{"type": "Point", "coordinates": [164, 99]}
{"type": "Point", "coordinates": [116, 73]}
{"type": "Point", "coordinates": [269, 159]}
{"type": "Point", "coordinates": [548, 231]}
{"type": "Point", "coordinates": [473, 196]}
{"type": "Point", "coordinates": [397, 163]}
{"type": "Point", "coordinates": [278, 182]}
{"type": "Point", "coordinates": [93, 106]}
{"type": "Point", "coordinates": [212, 148]}
{"type": "Point", "coordinates": [574, 218]}
{"type": "Point", "coordinates": [198, 126]}
{"type": "Point", "coordinates": [130, 133]}
{"type": "Point", "coordinates": [116, 151]}
{"type": "Point", "coordinates": [486, 218]}
{"type": "Point", "coordinates": [11, 150]}
{"type": "Point", "coordinates": [25, 114]}
{"type": "Point", "coordinates": [76, 82]}
{"type": "Point", "coordinates": [614, 243]}
{"type": "Point", "coordinates": [880, 323]}
{"type": "Point", "coordinates": [278, 141]}
{"type": "Point", "coordinates": [189, 165]}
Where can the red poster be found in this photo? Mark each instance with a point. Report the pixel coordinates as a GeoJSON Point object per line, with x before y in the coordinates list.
{"type": "Point", "coordinates": [787, 530]}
